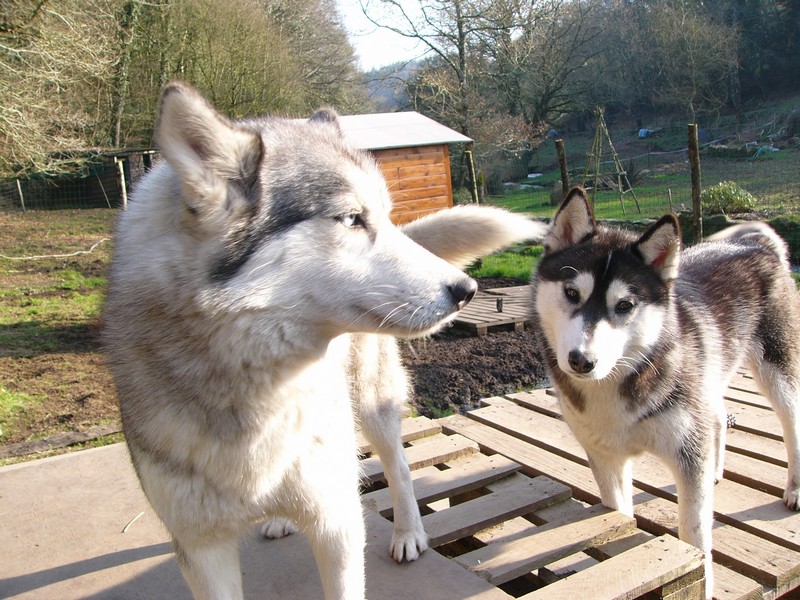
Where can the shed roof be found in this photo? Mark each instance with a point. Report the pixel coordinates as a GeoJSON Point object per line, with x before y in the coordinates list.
{"type": "Point", "coordinates": [378, 131]}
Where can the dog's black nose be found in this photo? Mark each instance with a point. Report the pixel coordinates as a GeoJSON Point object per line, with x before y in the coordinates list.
{"type": "Point", "coordinates": [579, 362]}
{"type": "Point", "coordinates": [463, 291]}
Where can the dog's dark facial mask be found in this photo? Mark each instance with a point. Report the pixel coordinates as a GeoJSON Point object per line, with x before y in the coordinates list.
{"type": "Point", "coordinates": [599, 291]}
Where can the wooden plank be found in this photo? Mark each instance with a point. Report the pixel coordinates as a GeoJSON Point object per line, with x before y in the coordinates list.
{"type": "Point", "coordinates": [533, 427]}
{"type": "Point", "coordinates": [640, 570]}
{"type": "Point", "coordinates": [411, 159]}
{"type": "Point", "coordinates": [569, 565]}
{"type": "Point", "coordinates": [487, 308]}
{"type": "Point", "coordinates": [541, 401]}
{"type": "Point", "coordinates": [389, 155]}
{"type": "Point", "coordinates": [756, 446]}
{"type": "Point", "coordinates": [415, 198]}
{"type": "Point", "coordinates": [522, 292]}
{"type": "Point", "coordinates": [410, 429]}
{"type": "Point", "coordinates": [412, 171]}
{"type": "Point", "coordinates": [505, 530]}
{"type": "Point", "coordinates": [525, 495]}
{"type": "Point", "coordinates": [745, 383]}
{"type": "Point", "coordinates": [504, 561]}
{"type": "Point", "coordinates": [430, 484]}
{"type": "Point", "coordinates": [730, 585]}
{"type": "Point", "coordinates": [427, 451]}
{"type": "Point", "coordinates": [431, 184]}
{"type": "Point", "coordinates": [58, 440]}
{"type": "Point", "coordinates": [745, 397]}
{"type": "Point", "coordinates": [754, 473]}
{"type": "Point", "coordinates": [758, 513]}
{"type": "Point", "coordinates": [481, 314]}
{"type": "Point", "coordinates": [756, 558]}
{"type": "Point", "coordinates": [400, 217]}
{"type": "Point", "coordinates": [534, 460]}
{"type": "Point", "coordinates": [763, 561]}
{"type": "Point", "coordinates": [755, 420]}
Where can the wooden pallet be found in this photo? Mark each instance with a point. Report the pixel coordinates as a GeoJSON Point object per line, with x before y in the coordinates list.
{"type": "Point", "coordinates": [756, 539]}
{"type": "Point", "coordinates": [506, 495]}
{"type": "Point", "coordinates": [525, 533]}
{"type": "Point", "coordinates": [497, 308]}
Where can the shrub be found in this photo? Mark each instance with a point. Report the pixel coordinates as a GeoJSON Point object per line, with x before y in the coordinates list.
{"type": "Point", "coordinates": [462, 196]}
{"type": "Point", "coordinates": [726, 197]}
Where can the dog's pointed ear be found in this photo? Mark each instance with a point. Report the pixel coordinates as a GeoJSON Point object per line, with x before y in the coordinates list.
{"type": "Point", "coordinates": [660, 247]}
{"type": "Point", "coordinates": [328, 116]}
{"type": "Point", "coordinates": [574, 222]}
{"type": "Point", "coordinates": [206, 150]}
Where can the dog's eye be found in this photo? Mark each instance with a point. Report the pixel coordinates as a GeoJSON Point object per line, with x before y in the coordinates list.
{"type": "Point", "coordinates": [623, 307]}
{"type": "Point", "coordinates": [353, 221]}
{"type": "Point", "coordinates": [572, 294]}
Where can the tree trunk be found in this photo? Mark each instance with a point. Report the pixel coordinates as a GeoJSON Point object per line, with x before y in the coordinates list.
{"type": "Point", "coordinates": [128, 22]}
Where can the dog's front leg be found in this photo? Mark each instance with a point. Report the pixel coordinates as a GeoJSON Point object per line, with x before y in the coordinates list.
{"type": "Point", "coordinates": [694, 477]}
{"type": "Point", "coordinates": [323, 500]}
{"type": "Point", "coordinates": [337, 538]}
{"type": "Point", "coordinates": [381, 426]}
{"type": "Point", "coordinates": [380, 389]}
{"type": "Point", "coordinates": [614, 477]}
{"type": "Point", "coordinates": [211, 568]}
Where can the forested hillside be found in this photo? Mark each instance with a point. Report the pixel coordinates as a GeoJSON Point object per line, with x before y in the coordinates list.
{"type": "Point", "coordinates": [77, 74]}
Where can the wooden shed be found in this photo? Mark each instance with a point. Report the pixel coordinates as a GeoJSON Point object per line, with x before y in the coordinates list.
{"type": "Point", "coordinates": [412, 151]}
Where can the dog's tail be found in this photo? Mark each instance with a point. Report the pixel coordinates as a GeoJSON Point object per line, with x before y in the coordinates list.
{"type": "Point", "coordinates": [464, 233]}
{"type": "Point", "coordinates": [755, 232]}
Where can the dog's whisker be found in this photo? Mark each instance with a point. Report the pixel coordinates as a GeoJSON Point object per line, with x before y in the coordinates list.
{"type": "Point", "coordinates": [414, 314]}
{"type": "Point", "coordinates": [376, 308]}
{"type": "Point", "coordinates": [394, 311]}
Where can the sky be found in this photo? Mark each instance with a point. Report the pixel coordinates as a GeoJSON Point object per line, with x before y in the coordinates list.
{"type": "Point", "coordinates": [374, 46]}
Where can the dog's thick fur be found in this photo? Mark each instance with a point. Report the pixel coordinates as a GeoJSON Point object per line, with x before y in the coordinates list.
{"type": "Point", "coordinates": [256, 290]}
{"type": "Point", "coordinates": [641, 339]}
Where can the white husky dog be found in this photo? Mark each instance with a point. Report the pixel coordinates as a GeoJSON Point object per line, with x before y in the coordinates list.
{"type": "Point", "coordinates": [242, 260]}
{"type": "Point", "coordinates": [642, 339]}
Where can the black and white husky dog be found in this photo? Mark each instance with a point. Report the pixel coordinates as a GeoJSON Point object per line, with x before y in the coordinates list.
{"type": "Point", "coordinates": [641, 339]}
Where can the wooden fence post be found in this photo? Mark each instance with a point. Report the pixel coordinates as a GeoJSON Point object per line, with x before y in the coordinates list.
{"type": "Point", "coordinates": [472, 176]}
{"type": "Point", "coordinates": [122, 186]}
{"type": "Point", "coordinates": [562, 161]}
{"type": "Point", "coordinates": [694, 163]}
{"type": "Point", "coordinates": [21, 197]}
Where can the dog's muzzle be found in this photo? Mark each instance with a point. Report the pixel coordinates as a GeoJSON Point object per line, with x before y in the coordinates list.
{"type": "Point", "coordinates": [581, 363]}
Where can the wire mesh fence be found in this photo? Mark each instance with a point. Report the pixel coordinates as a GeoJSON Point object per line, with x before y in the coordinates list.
{"type": "Point", "coordinates": [661, 182]}
{"type": "Point", "coordinates": [656, 167]}
{"type": "Point", "coordinates": [100, 180]}
{"type": "Point", "coordinates": [762, 161]}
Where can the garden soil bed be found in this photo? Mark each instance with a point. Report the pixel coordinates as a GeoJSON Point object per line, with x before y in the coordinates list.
{"type": "Point", "coordinates": [452, 370]}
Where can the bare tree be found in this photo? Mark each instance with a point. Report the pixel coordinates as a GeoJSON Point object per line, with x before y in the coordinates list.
{"type": "Point", "coordinates": [693, 56]}
{"type": "Point", "coordinates": [540, 63]}
{"type": "Point", "coordinates": [56, 59]}
{"type": "Point", "coordinates": [448, 30]}
{"type": "Point", "coordinates": [321, 53]}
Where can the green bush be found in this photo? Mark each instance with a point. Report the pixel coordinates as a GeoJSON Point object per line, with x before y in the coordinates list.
{"type": "Point", "coordinates": [726, 197]}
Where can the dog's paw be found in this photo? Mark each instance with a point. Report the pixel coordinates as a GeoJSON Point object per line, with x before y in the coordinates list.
{"type": "Point", "coordinates": [791, 497]}
{"type": "Point", "coordinates": [278, 528]}
{"type": "Point", "coordinates": [408, 545]}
